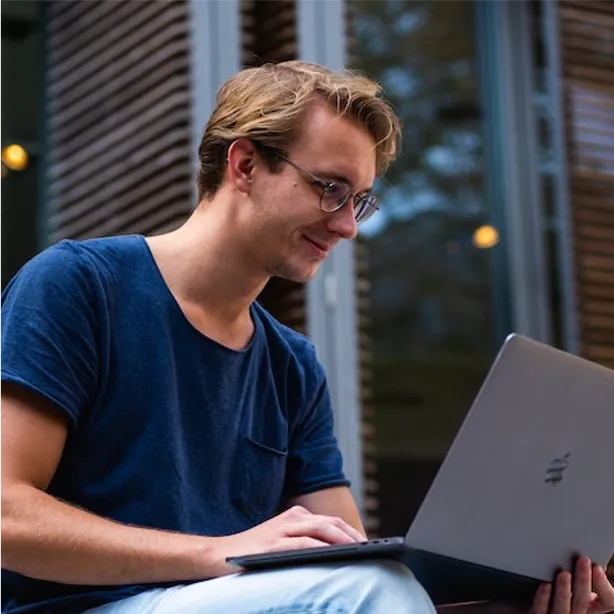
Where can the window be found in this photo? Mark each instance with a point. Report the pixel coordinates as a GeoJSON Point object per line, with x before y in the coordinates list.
{"type": "Point", "coordinates": [430, 265]}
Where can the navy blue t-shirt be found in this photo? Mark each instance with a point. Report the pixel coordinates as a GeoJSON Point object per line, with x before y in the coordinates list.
{"type": "Point", "coordinates": [167, 428]}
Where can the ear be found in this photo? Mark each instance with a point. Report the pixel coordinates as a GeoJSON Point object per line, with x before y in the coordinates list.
{"type": "Point", "coordinates": [241, 164]}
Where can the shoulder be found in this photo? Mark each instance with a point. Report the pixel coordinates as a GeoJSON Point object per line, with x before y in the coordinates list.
{"type": "Point", "coordinates": [71, 256]}
{"type": "Point", "coordinates": [50, 271]}
{"type": "Point", "coordinates": [106, 253]}
{"type": "Point", "coordinates": [289, 348]}
{"type": "Point", "coordinates": [68, 274]}
{"type": "Point", "coordinates": [71, 261]}
{"type": "Point", "coordinates": [61, 256]}
{"type": "Point", "coordinates": [290, 340]}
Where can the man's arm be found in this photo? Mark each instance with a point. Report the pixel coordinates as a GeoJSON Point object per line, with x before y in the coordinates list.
{"type": "Point", "coordinates": [336, 501]}
{"type": "Point", "coordinates": [48, 539]}
{"type": "Point", "coordinates": [45, 538]}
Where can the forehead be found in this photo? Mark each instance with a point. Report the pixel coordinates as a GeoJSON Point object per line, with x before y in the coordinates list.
{"type": "Point", "coordinates": [332, 144]}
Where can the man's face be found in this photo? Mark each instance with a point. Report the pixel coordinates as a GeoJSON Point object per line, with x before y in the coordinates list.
{"type": "Point", "coordinates": [296, 235]}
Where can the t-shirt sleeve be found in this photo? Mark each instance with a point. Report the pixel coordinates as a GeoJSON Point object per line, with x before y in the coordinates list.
{"type": "Point", "coordinates": [314, 458]}
{"type": "Point", "coordinates": [50, 330]}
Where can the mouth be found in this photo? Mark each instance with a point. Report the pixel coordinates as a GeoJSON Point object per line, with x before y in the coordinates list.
{"type": "Point", "coordinates": [319, 247]}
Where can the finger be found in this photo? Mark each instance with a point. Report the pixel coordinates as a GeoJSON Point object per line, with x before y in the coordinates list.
{"type": "Point", "coordinates": [293, 513]}
{"type": "Point", "coordinates": [319, 527]}
{"type": "Point", "coordinates": [296, 511]}
{"type": "Point", "coordinates": [337, 522]}
{"type": "Point", "coordinates": [581, 591]}
{"type": "Point", "coordinates": [299, 513]}
{"type": "Point", "coordinates": [603, 588]}
{"type": "Point", "coordinates": [561, 600]}
{"type": "Point", "coordinates": [541, 600]}
{"type": "Point", "coordinates": [356, 536]}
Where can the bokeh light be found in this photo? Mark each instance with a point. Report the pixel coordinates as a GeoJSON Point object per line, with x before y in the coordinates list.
{"type": "Point", "coordinates": [485, 237]}
{"type": "Point", "coordinates": [15, 157]}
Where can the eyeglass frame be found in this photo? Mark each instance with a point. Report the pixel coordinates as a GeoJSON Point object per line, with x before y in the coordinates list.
{"type": "Point", "coordinates": [326, 186]}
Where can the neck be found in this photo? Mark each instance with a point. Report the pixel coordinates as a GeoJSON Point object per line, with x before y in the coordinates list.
{"type": "Point", "coordinates": [207, 267]}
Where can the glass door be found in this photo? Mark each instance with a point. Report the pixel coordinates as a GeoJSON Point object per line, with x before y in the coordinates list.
{"type": "Point", "coordinates": [430, 265]}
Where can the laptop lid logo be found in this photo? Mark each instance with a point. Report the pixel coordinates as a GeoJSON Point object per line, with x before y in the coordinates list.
{"type": "Point", "coordinates": [554, 473]}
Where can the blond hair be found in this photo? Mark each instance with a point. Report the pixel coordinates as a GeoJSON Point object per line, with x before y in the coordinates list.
{"type": "Point", "coordinates": [268, 104]}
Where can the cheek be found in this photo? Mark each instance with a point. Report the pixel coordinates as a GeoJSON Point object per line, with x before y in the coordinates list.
{"type": "Point", "coordinates": [285, 205]}
{"type": "Point", "coordinates": [274, 193]}
{"type": "Point", "coordinates": [288, 204]}
{"type": "Point", "coordinates": [288, 196]}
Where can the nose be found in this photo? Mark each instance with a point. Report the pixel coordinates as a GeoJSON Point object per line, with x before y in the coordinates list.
{"type": "Point", "coordinates": [343, 223]}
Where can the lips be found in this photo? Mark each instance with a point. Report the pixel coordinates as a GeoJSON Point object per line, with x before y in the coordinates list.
{"type": "Point", "coordinates": [318, 244]}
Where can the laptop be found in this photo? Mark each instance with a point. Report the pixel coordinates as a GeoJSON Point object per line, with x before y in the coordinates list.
{"type": "Point", "coordinates": [526, 487]}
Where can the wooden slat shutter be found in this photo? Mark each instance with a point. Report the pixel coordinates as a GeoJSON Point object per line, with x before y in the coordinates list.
{"type": "Point", "coordinates": [365, 371]}
{"type": "Point", "coordinates": [269, 35]}
{"type": "Point", "coordinates": [587, 48]}
{"type": "Point", "coordinates": [269, 31]}
{"type": "Point", "coordinates": [365, 360]}
{"type": "Point", "coordinates": [118, 117]}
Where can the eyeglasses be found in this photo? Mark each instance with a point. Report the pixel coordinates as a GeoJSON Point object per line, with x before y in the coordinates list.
{"type": "Point", "coordinates": [335, 194]}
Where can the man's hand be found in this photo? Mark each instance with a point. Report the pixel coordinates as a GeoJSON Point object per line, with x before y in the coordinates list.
{"type": "Point", "coordinates": [588, 592]}
{"type": "Point", "coordinates": [293, 529]}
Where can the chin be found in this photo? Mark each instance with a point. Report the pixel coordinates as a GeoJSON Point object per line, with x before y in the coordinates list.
{"type": "Point", "coordinates": [298, 274]}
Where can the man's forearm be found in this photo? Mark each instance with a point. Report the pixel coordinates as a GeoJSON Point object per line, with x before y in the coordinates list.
{"type": "Point", "coordinates": [50, 540]}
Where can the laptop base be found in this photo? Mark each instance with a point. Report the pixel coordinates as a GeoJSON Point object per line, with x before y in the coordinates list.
{"type": "Point", "coordinates": [445, 579]}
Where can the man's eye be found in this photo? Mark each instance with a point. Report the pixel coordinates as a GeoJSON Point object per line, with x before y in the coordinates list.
{"type": "Point", "coordinates": [336, 190]}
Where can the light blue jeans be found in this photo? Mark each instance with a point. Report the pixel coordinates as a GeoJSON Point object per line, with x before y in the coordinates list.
{"type": "Point", "coordinates": [373, 587]}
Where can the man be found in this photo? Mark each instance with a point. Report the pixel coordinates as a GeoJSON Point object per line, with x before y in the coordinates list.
{"type": "Point", "coordinates": [156, 420]}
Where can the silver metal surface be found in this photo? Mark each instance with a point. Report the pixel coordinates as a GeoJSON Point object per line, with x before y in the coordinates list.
{"type": "Point", "coordinates": [527, 483]}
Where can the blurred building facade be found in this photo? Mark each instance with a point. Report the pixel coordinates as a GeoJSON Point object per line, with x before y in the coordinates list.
{"type": "Point", "coordinates": [498, 216]}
